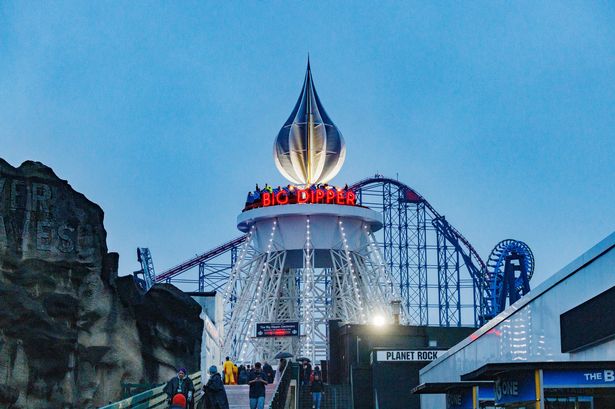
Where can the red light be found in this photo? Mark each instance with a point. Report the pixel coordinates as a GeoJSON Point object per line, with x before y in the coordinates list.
{"type": "Point", "coordinates": [311, 195]}
{"type": "Point", "coordinates": [302, 196]}
{"type": "Point", "coordinates": [350, 198]}
{"type": "Point", "coordinates": [341, 197]}
{"type": "Point", "coordinates": [282, 197]}
{"type": "Point", "coordinates": [266, 199]}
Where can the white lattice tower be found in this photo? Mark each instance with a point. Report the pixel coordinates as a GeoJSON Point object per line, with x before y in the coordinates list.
{"type": "Point", "coordinates": [305, 263]}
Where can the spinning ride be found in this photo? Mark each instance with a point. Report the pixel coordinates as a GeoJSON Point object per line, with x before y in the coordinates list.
{"type": "Point", "coordinates": [507, 258]}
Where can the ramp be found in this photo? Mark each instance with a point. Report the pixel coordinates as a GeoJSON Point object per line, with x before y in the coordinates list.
{"type": "Point", "coordinates": [238, 395]}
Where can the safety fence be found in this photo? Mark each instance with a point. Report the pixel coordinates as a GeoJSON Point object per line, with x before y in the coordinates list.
{"type": "Point", "coordinates": [155, 398]}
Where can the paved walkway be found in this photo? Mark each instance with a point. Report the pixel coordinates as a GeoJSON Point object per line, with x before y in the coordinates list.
{"type": "Point", "coordinates": [238, 395]}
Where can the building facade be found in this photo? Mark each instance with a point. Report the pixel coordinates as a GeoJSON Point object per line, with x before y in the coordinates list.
{"type": "Point", "coordinates": [212, 314]}
{"type": "Point", "coordinates": [552, 349]}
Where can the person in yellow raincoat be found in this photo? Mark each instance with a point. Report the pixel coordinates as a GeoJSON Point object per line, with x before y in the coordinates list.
{"type": "Point", "coordinates": [235, 374]}
{"type": "Point", "coordinates": [227, 368]}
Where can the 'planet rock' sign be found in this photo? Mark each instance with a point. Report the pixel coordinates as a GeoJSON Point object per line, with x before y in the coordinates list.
{"type": "Point", "coordinates": [309, 148]}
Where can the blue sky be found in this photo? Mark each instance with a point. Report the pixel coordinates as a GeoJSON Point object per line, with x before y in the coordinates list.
{"type": "Point", "coordinates": [502, 114]}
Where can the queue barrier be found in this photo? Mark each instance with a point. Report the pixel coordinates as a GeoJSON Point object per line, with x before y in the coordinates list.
{"type": "Point", "coordinates": [156, 398]}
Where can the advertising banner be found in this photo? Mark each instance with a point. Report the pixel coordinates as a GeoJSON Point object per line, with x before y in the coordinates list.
{"type": "Point", "coordinates": [461, 399]}
{"type": "Point", "coordinates": [486, 392]}
{"type": "Point", "coordinates": [579, 378]}
{"type": "Point", "coordinates": [515, 387]}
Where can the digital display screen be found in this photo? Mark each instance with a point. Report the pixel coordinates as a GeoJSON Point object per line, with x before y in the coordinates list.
{"type": "Point", "coordinates": [277, 329]}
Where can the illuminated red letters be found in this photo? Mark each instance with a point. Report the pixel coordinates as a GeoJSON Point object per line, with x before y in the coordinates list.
{"type": "Point", "coordinates": [350, 198]}
{"type": "Point", "coordinates": [341, 197]}
{"type": "Point", "coordinates": [281, 197]}
{"type": "Point", "coordinates": [303, 196]}
{"type": "Point", "coordinates": [330, 196]}
{"type": "Point", "coordinates": [266, 198]}
{"type": "Point", "coordinates": [320, 194]}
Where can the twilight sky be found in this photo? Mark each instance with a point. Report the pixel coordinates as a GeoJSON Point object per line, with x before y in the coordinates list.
{"type": "Point", "coordinates": [502, 114]}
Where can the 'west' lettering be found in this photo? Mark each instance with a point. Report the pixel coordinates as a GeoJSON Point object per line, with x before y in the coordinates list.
{"type": "Point", "coordinates": [66, 241]}
{"type": "Point", "coordinates": [43, 236]}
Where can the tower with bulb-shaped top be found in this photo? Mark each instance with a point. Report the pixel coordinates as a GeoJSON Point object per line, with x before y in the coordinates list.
{"type": "Point", "coordinates": [310, 254]}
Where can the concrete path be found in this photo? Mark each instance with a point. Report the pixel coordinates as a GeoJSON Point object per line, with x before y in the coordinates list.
{"type": "Point", "coordinates": [238, 395]}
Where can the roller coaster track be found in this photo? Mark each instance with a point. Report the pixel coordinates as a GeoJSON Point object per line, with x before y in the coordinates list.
{"type": "Point", "coordinates": [455, 232]}
{"type": "Point", "coordinates": [472, 260]}
{"type": "Point", "coordinates": [453, 251]}
{"type": "Point", "coordinates": [201, 258]}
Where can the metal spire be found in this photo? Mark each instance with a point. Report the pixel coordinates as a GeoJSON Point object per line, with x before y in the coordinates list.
{"type": "Point", "coordinates": [309, 148]}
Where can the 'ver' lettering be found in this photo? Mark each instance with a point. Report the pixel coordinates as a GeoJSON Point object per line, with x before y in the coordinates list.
{"type": "Point", "coordinates": [18, 195]}
{"type": "Point", "coordinates": [2, 183]}
{"type": "Point", "coordinates": [41, 194]}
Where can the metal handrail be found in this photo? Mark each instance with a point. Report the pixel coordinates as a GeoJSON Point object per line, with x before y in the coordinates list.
{"type": "Point", "coordinates": [153, 398]}
{"type": "Point", "coordinates": [281, 389]}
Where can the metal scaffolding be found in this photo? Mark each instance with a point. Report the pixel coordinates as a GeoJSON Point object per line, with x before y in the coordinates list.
{"type": "Point", "coordinates": [440, 277]}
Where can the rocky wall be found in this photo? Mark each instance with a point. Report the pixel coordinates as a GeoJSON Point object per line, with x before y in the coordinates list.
{"type": "Point", "coordinates": [70, 329]}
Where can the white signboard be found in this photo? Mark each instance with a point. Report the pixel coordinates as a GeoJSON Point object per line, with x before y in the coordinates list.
{"type": "Point", "coordinates": [408, 355]}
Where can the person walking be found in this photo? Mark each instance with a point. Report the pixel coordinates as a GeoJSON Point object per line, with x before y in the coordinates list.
{"type": "Point", "coordinates": [235, 374]}
{"type": "Point", "coordinates": [180, 384]}
{"type": "Point", "coordinates": [268, 369]}
{"type": "Point", "coordinates": [257, 381]}
{"type": "Point", "coordinates": [318, 390]}
{"type": "Point", "coordinates": [280, 370]}
{"type": "Point", "coordinates": [306, 372]}
{"type": "Point", "coordinates": [315, 372]}
{"type": "Point", "coordinates": [242, 378]}
{"type": "Point", "coordinates": [214, 394]}
{"type": "Point", "coordinates": [227, 368]}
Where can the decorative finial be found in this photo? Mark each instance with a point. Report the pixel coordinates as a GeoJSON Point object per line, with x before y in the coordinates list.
{"type": "Point", "coordinates": [309, 148]}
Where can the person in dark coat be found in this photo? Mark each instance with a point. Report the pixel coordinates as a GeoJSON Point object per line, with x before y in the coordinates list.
{"type": "Point", "coordinates": [268, 370]}
{"type": "Point", "coordinates": [257, 381]}
{"type": "Point", "coordinates": [315, 372]}
{"type": "Point", "coordinates": [306, 373]}
{"type": "Point", "coordinates": [180, 384]}
{"type": "Point", "coordinates": [214, 394]}
{"type": "Point", "coordinates": [317, 388]}
{"type": "Point", "coordinates": [242, 378]}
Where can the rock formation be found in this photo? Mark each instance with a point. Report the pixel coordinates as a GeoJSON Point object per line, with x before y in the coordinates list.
{"type": "Point", "coordinates": [70, 329]}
